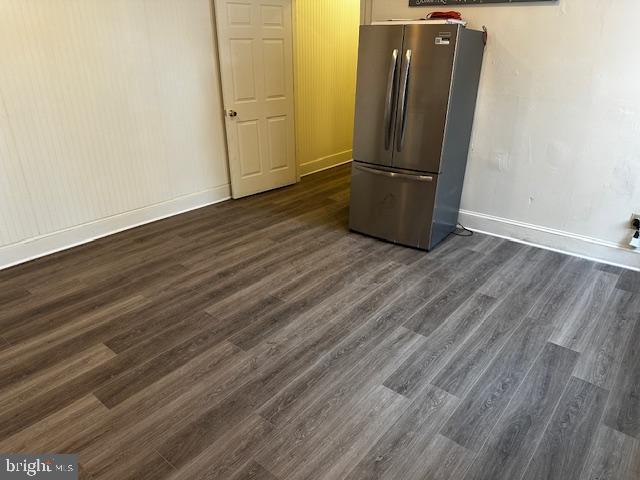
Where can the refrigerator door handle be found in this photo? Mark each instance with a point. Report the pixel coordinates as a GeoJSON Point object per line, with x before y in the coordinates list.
{"type": "Point", "coordinates": [404, 85]}
{"type": "Point", "coordinates": [388, 111]}
{"type": "Point", "coordinates": [384, 173]}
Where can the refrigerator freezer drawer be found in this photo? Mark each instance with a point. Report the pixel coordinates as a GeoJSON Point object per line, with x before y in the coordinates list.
{"type": "Point", "coordinates": [394, 206]}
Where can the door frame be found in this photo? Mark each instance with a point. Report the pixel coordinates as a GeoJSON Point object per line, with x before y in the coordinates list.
{"type": "Point", "coordinates": [214, 31]}
{"type": "Point", "coordinates": [294, 52]}
{"type": "Point", "coordinates": [366, 12]}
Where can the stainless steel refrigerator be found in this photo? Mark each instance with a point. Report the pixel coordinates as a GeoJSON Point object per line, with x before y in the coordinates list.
{"type": "Point", "coordinates": [415, 102]}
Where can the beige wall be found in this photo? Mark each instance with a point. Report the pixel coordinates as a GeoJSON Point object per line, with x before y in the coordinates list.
{"type": "Point", "coordinates": [110, 115]}
{"type": "Point", "coordinates": [555, 155]}
{"type": "Point", "coordinates": [325, 72]}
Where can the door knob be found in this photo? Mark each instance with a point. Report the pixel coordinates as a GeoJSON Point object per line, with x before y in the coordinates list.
{"type": "Point", "coordinates": [232, 113]}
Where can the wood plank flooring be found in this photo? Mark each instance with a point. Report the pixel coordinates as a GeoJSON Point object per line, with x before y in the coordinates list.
{"type": "Point", "coordinates": [260, 339]}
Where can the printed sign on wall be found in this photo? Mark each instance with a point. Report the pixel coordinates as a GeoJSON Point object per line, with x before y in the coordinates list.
{"type": "Point", "coordinates": [425, 3]}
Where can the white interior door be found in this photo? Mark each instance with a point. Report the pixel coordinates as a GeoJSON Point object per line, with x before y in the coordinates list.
{"type": "Point", "coordinates": [256, 62]}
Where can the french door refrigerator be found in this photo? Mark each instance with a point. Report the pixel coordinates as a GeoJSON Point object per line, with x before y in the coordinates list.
{"type": "Point", "coordinates": [415, 102]}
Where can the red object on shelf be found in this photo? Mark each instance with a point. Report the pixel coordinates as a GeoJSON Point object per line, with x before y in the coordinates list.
{"type": "Point", "coordinates": [444, 15]}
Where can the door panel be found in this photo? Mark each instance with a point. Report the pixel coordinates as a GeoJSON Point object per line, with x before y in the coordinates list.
{"type": "Point", "coordinates": [242, 62]}
{"type": "Point", "coordinates": [248, 148]}
{"type": "Point", "coordinates": [272, 16]}
{"type": "Point", "coordinates": [274, 79]}
{"type": "Point", "coordinates": [256, 60]}
{"type": "Point", "coordinates": [239, 13]}
{"type": "Point", "coordinates": [376, 93]}
{"type": "Point", "coordinates": [392, 205]}
{"type": "Point", "coordinates": [278, 127]}
{"type": "Point", "coordinates": [427, 65]}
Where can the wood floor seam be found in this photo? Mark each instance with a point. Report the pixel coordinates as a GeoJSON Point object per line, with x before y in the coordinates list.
{"type": "Point", "coordinates": [163, 458]}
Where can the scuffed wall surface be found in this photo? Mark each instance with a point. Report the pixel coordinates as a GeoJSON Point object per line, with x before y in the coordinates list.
{"type": "Point", "coordinates": [556, 141]}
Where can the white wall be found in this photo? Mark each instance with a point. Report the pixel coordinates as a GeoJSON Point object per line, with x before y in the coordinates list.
{"type": "Point", "coordinates": [555, 156]}
{"type": "Point", "coordinates": [110, 115]}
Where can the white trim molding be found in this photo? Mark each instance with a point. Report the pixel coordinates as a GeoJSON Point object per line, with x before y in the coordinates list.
{"type": "Point", "coordinates": [366, 11]}
{"type": "Point", "coordinates": [43, 245]}
{"type": "Point", "coordinates": [551, 239]}
{"type": "Point", "coordinates": [325, 163]}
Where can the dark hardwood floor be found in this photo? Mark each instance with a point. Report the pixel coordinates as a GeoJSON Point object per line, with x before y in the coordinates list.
{"type": "Point", "coordinates": [259, 339]}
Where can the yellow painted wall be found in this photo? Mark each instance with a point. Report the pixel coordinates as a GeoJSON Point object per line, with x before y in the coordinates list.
{"type": "Point", "coordinates": [325, 81]}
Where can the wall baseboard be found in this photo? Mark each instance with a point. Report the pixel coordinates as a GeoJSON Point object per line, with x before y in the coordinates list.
{"type": "Point", "coordinates": [41, 246]}
{"type": "Point", "coordinates": [551, 239]}
{"type": "Point", "coordinates": [325, 163]}
{"type": "Point", "coordinates": [535, 235]}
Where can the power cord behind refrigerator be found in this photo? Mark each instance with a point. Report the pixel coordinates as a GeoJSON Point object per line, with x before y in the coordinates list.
{"type": "Point", "coordinates": [465, 231]}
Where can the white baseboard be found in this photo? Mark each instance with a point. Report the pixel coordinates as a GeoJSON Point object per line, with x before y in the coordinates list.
{"type": "Point", "coordinates": [552, 239]}
{"type": "Point", "coordinates": [43, 245]}
{"type": "Point", "coordinates": [543, 237]}
{"type": "Point", "coordinates": [325, 163]}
